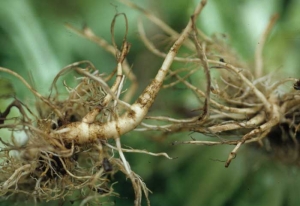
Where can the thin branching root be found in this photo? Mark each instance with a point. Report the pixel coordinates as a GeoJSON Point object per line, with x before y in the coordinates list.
{"type": "Point", "coordinates": [73, 142]}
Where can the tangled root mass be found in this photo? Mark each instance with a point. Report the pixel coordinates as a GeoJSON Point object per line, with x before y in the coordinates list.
{"type": "Point", "coordinates": [73, 146]}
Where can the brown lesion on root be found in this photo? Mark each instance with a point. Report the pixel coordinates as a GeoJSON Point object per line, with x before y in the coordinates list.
{"type": "Point", "coordinates": [118, 130]}
{"type": "Point", "coordinates": [174, 48]}
{"type": "Point", "coordinates": [149, 94]}
{"type": "Point", "coordinates": [131, 114]}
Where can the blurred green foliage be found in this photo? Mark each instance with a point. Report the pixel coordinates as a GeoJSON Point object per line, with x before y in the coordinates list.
{"type": "Point", "coordinates": [35, 43]}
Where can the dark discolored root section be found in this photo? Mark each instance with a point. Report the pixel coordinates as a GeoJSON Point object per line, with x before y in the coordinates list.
{"type": "Point", "coordinates": [283, 140]}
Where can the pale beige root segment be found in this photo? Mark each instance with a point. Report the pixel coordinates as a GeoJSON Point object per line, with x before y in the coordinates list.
{"type": "Point", "coordinates": [83, 132]}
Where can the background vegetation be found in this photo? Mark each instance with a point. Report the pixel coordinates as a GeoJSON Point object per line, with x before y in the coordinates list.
{"type": "Point", "coordinates": [35, 43]}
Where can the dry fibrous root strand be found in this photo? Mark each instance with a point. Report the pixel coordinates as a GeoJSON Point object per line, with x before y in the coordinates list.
{"type": "Point", "coordinates": [74, 148]}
